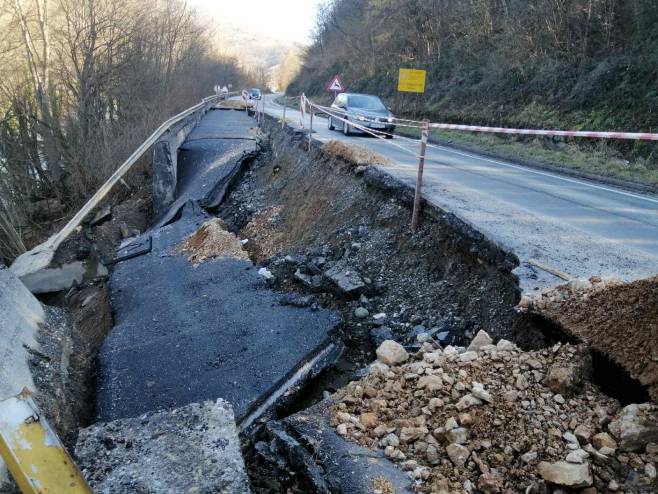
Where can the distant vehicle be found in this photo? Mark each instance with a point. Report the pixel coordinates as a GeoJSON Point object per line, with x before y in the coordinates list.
{"type": "Point", "coordinates": [364, 109]}
{"type": "Point", "coordinates": [255, 93]}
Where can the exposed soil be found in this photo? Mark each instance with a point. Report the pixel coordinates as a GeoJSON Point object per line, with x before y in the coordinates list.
{"type": "Point", "coordinates": [618, 319]}
{"type": "Point", "coordinates": [353, 153]}
{"type": "Point", "coordinates": [212, 241]}
{"type": "Point", "coordinates": [305, 213]}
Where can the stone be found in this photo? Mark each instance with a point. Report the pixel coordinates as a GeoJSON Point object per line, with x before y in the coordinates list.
{"type": "Point", "coordinates": [603, 439]}
{"type": "Point", "coordinates": [479, 392]}
{"type": "Point", "coordinates": [567, 380]}
{"type": "Point", "coordinates": [304, 279]}
{"type": "Point", "coordinates": [391, 353]}
{"type": "Point", "coordinates": [266, 273]}
{"type": "Point", "coordinates": [346, 280]}
{"type": "Point", "coordinates": [369, 420]}
{"type": "Point", "coordinates": [584, 433]}
{"type": "Point", "coordinates": [430, 383]}
{"type": "Point", "coordinates": [650, 471]}
{"type": "Point", "coordinates": [635, 426]}
{"type": "Point", "coordinates": [529, 457]}
{"type": "Point", "coordinates": [466, 402]}
{"type": "Point", "coordinates": [390, 440]}
{"type": "Point", "coordinates": [341, 429]}
{"type": "Point", "coordinates": [569, 437]}
{"type": "Point", "coordinates": [468, 356]}
{"type": "Point", "coordinates": [490, 483]}
{"type": "Point", "coordinates": [361, 312]}
{"type": "Point", "coordinates": [566, 474]}
{"type": "Point", "coordinates": [481, 339]}
{"type": "Point", "coordinates": [506, 346]}
{"type": "Point", "coordinates": [457, 435]}
{"type": "Point", "coordinates": [521, 382]}
{"type": "Point", "coordinates": [153, 452]}
{"type": "Point", "coordinates": [450, 424]}
{"type": "Point", "coordinates": [577, 456]}
{"type": "Point", "coordinates": [442, 336]}
{"type": "Point", "coordinates": [410, 434]}
{"type": "Point", "coordinates": [458, 454]}
{"type": "Point", "coordinates": [380, 334]}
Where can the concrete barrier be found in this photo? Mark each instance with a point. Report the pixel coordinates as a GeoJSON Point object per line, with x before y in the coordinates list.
{"type": "Point", "coordinates": [20, 316]}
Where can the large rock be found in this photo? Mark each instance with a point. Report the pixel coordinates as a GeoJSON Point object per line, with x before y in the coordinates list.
{"type": "Point", "coordinates": [190, 449]}
{"type": "Point", "coordinates": [566, 474]}
{"type": "Point", "coordinates": [392, 353]}
{"type": "Point", "coordinates": [346, 280]}
{"type": "Point", "coordinates": [635, 426]}
{"type": "Point", "coordinates": [567, 380]}
{"type": "Point", "coordinates": [481, 339]}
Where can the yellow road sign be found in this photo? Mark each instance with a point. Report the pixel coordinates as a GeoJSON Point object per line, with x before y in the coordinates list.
{"type": "Point", "coordinates": [412, 81]}
{"type": "Point", "coordinates": [33, 453]}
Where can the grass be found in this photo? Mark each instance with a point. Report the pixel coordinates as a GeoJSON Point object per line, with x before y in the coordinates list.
{"type": "Point", "coordinates": [598, 160]}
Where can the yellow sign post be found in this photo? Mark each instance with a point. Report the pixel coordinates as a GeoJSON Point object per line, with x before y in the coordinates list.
{"type": "Point", "coordinates": [412, 81]}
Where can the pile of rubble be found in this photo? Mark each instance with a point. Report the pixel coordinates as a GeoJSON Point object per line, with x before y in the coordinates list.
{"type": "Point", "coordinates": [491, 418]}
{"type": "Point", "coordinates": [212, 241]}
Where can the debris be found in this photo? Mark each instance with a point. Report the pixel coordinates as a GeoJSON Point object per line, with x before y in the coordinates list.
{"type": "Point", "coordinates": [345, 279]}
{"type": "Point", "coordinates": [380, 334]}
{"type": "Point", "coordinates": [148, 453]}
{"type": "Point", "coordinates": [566, 474]}
{"type": "Point", "coordinates": [266, 273]}
{"type": "Point", "coordinates": [361, 312]}
{"type": "Point", "coordinates": [102, 216]}
{"type": "Point", "coordinates": [481, 339]}
{"type": "Point", "coordinates": [635, 426]}
{"type": "Point", "coordinates": [391, 353]}
{"type": "Point", "coordinates": [212, 241]}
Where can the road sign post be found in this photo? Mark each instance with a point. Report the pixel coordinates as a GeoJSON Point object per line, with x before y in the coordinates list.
{"type": "Point", "coordinates": [283, 120]}
{"type": "Point", "coordinates": [419, 179]}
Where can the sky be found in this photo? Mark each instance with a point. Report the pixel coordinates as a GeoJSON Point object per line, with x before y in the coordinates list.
{"type": "Point", "coordinates": [290, 20]}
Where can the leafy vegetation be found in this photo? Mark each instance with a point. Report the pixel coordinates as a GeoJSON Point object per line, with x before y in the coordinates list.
{"type": "Point", "coordinates": [569, 64]}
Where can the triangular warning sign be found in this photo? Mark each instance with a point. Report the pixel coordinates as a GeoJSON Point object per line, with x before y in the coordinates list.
{"type": "Point", "coordinates": [336, 85]}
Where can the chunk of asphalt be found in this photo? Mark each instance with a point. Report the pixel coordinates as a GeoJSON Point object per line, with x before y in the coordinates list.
{"type": "Point", "coordinates": [186, 334]}
{"type": "Point", "coordinates": [190, 449]}
{"type": "Point", "coordinates": [311, 447]}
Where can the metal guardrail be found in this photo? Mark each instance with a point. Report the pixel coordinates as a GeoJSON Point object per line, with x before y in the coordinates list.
{"type": "Point", "coordinates": [56, 240]}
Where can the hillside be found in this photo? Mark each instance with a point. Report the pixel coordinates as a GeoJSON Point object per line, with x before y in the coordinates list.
{"type": "Point", "coordinates": [584, 64]}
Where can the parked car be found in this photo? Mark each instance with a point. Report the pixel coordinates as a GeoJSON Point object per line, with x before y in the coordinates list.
{"type": "Point", "coordinates": [255, 93]}
{"type": "Point", "coordinates": [364, 109]}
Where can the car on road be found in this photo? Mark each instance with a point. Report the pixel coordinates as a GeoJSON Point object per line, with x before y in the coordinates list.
{"type": "Point", "coordinates": [255, 93]}
{"type": "Point", "coordinates": [365, 110]}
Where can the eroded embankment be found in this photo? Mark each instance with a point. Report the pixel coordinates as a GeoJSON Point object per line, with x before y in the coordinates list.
{"type": "Point", "coordinates": [340, 233]}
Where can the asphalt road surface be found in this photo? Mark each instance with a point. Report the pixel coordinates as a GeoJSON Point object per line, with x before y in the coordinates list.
{"type": "Point", "coordinates": [576, 226]}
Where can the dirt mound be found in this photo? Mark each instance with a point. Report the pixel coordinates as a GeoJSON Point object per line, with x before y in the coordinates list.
{"type": "Point", "coordinates": [354, 154]}
{"type": "Point", "coordinates": [212, 241]}
{"type": "Point", "coordinates": [495, 419]}
{"type": "Point", "coordinates": [235, 103]}
{"type": "Point", "coordinates": [618, 319]}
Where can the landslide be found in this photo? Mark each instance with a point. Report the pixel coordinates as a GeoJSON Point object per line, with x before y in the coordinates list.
{"type": "Point", "coordinates": [304, 215]}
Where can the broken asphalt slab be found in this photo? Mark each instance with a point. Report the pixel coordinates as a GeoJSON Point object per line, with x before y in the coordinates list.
{"type": "Point", "coordinates": [210, 159]}
{"type": "Point", "coordinates": [324, 462]}
{"type": "Point", "coordinates": [191, 449]}
{"type": "Point", "coordinates": [187, 333]}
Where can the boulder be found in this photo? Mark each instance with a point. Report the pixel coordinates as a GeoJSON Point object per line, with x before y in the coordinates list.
{"type": "Point", "coordinates": [458, 454]}
{"type": "Point", "coordinates": [635, 426]}
{"type": "Point", "coordinates": [481, 339]}
{"type": "Point", "coordinates": [391, 353]}
{"type": "Point", "coordinates": [566, 474]}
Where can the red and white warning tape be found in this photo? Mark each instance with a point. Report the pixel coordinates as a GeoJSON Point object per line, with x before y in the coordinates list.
{"type": "Point", "coordinates": [638, 136]}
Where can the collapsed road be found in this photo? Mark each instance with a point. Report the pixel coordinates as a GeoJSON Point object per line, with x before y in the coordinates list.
{"type": "Point", "coordinates": [234, 336]}
{"type": "Point", "coordinates": [571, 224]}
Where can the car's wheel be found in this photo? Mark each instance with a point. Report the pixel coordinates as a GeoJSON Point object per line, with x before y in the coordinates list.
{"type": "Point", "coordinates": [346, 128]}
{"type": "Point", "coordinates": [330, 124]}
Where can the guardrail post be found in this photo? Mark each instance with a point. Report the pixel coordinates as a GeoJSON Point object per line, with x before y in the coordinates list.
{"type": "Point", "coordinates": [310, 129]}
{"type": "Point", "coordinates": [419, 179]}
